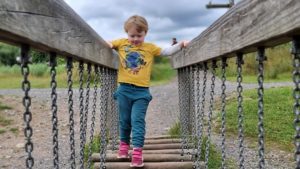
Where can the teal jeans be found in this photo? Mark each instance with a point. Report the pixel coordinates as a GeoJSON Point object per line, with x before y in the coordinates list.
{"type": "Point", "coordinates": [132, 102]}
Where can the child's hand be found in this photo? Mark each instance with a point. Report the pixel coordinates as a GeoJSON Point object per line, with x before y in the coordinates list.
{"type": "Point", "coordinates": [184, 43]}
{"type": "Point", "coordinates": [109, 44]}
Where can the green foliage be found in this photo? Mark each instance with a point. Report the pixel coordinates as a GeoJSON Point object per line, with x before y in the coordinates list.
{"type": "Point", "coordinates": [2, 131]}
{"type": "Point", "coordinates": [39, 57]}
{"type": "Point", "coordinates": [162, 72]}
{"type": "Point", "coordinates": [14, 130]}
{"type": "Point", "coordinates": [174, 131]}
{"type": "Point", "coordinates": [215, 158]}
{"type": "Point", "coordinates": [4, 107]}
{"type": "Point", "coordinates": [278, 63]}
{"type": "Point", "coordinates": [39, 69]}
{"type": "Point", "coordinates": [278, 119]}
{"type": "Point", "coordinates": [8, 54]}
{"type": "Point", "coordinates": [95, 146]}
{"type": "Point", "coordinates": [4, 121]}
{"type": "Point", "coordinates": [161, 59]}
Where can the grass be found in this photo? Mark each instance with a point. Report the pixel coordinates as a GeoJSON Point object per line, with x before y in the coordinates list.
{"type": "Point", "coordinates": [95, 148]}
{"type": "Point", "coordinates": [39, 77]}
{"type": "Point", "coordinates": [278, 117]}
{"type": "Point", "coordinates": [4, 107]}
{"type": "Point", "coordinates": [215, 157]}
{"type": "Point", "coordinates": [2, 131]}
{"type": "Point", "coordinates": [14, 130]}
{"type": "Point", "coordinates": [4, 121]}
{"type": "Point", "coordinates": [162, 73]}
{"type": "Point", "coordinates": [277, 68]}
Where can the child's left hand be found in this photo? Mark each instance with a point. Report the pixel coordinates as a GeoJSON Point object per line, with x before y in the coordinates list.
{"type": "Point", "coordinates": [184, 43]}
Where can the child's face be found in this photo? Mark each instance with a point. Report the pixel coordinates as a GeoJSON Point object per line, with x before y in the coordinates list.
{"type": "Point", "coordinates": [134, 37]}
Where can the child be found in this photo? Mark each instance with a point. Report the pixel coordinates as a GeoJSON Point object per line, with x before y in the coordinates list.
{"type": "Point", "coordinates": [132, 95]}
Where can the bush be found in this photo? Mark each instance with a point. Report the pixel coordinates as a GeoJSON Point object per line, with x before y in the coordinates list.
{"type": "Point", "coordinates": [8, 54]}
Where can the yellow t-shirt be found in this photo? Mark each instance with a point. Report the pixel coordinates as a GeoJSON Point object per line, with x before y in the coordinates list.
{"type": "Point", "coordinates": [135, 61]}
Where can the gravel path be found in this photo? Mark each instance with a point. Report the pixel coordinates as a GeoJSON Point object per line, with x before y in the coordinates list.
{"type": "Point", "coordinates": [161, 115]}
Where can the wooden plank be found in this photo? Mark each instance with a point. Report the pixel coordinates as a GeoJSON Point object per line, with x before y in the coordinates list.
{"type": "Point", "coordinates": [147, 158]}
{"type": "Point", "coordinates": [51, 25]}
{"type": "Point", "coordinates": [150, 165]}
{"type": "Point", "coordinates": [247, 25]}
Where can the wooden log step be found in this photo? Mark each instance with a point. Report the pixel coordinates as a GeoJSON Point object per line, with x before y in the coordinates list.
{"type": "Point", "coordinates": [163, 151]}
{"type": "Point", "coordinates": [161, 137]}
{"type": "Point", "coordinates": [160, 141]}
{"type": "Point", "coordinates": [161, 146]}
{"type": "Point", "coordinates": [156, 146]}
{"type": "Point", "coordinates": [147, 158]}
{"type": "Point", "coordinates": [148, 165]}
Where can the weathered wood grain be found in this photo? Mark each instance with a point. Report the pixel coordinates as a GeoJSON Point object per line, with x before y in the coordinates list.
{"type": "Point", "coordinates": [247, 25]}
{"type": "Point", "coordinates": [51, 25]}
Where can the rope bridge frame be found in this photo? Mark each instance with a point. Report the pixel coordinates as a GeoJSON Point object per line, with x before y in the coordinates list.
{"type": "Point", "coordinates": [250, 25]}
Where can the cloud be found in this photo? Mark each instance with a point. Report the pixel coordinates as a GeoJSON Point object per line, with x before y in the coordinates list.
{"type": "Point", "coordinates": [184, 19]}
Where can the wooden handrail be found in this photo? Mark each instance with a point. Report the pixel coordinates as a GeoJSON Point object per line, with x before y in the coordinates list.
{"type": "Point", "coordinates": [52, 26]}
{"type": "Point", "coordinates": [246, 26]}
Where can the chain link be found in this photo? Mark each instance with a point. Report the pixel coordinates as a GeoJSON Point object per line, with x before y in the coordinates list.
{"type": "Point", "coordinates": [185, 107]}
{"type": "Point", "coordinates": [103, 117]}
{"type": "Point", "coordinates": [27, 116]}
{"type": "Point", "coordinates": [93, 113]}
{"type": "Point", "coordinates": [87, 100]}
{"type": "Point", "coordinates": [71, 112]}
{"type": "Point", "coordinates": [214, 65]}
{"type": "Point", "coordinates": [81, 107]}
{"type": "Point", "coordinates": [115, 117]}
{"type": "Point", "coordinates": [239, 63]}
{"type": "Point", "coordinates": [260, 78]}
{"type": "Point", "coordinates": [198, 132]}
{"type": "Point", "coordinates": [180, 99]}
{"type": "Point", "coordinates": [192, 116]}
{"type": "Point", "coordinates": [223, 111]}
{"type": "Point", "coordinates": [296, 95]}
{"type": "Point", "coordinates": [53, 85]}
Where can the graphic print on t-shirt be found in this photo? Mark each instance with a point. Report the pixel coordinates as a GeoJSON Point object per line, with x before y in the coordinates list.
{"type": "Point", "coordinates": [134, 61]}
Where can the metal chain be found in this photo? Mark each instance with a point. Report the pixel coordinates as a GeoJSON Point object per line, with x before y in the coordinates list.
{"type": "Point", "coordinates": [180, 100]}
{"type": "Point", "coordinates": [214, 65]}
{"type": "Point", "coordinates": [239, 62]}
{"type": "Point", "coordinates": [192, 116]}
{"type": "Point", "coordinates": [205, 68]}
{"type": "Point", "coordinates": [185, 107]}
{"type": "Point", "coordinates": [27, 116]}
{"type": "Point", "coordinates": [71, 112]}
{"type": "Point", "coordinates": [198, 132]}
{"type": "Point", "coordinates": [97, 76]}
{"type": "Point", "coordinates": [223, 111]}
{"type": "Point", "coordinates": [103, 118]}
{"type": "Point", "coordinates": [81, 107]}
{"type": "Point", "coordinates": [53, 84]}
{"type": "Point", "coordinates": [115, 117]}
{"type": "Point", "coordinates": [260, 78]}
{"type": "Point", "coordinates": [296, 95]}
{"type": "Point", "coordinates": [87, 100]}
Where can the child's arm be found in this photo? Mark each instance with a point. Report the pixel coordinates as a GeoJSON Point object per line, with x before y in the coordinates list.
{"type": "Point", "coordinates": [109, 44]}
{"type": "Point", "coordinates": [173, 49]}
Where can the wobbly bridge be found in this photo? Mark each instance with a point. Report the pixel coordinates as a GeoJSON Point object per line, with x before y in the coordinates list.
{"type": "Point", "coordinates": [53, 27]}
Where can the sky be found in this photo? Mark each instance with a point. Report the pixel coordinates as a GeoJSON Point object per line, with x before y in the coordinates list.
{"type": "Point", "coordinates": [182, 19]}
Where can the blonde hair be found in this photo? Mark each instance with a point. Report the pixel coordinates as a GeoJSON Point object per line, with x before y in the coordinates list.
{"type": "Point", "coordinates": [139, 22]}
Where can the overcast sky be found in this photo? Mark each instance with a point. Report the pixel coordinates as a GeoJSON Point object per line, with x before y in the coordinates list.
{"type": "Point", "coordinates": [183, 19]}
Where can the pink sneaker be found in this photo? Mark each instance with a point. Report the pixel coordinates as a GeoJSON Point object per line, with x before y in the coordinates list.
{"type": "Point", "coordinates": [137, 158]}
{"type": "Point", "coordinates": [123, 150]}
